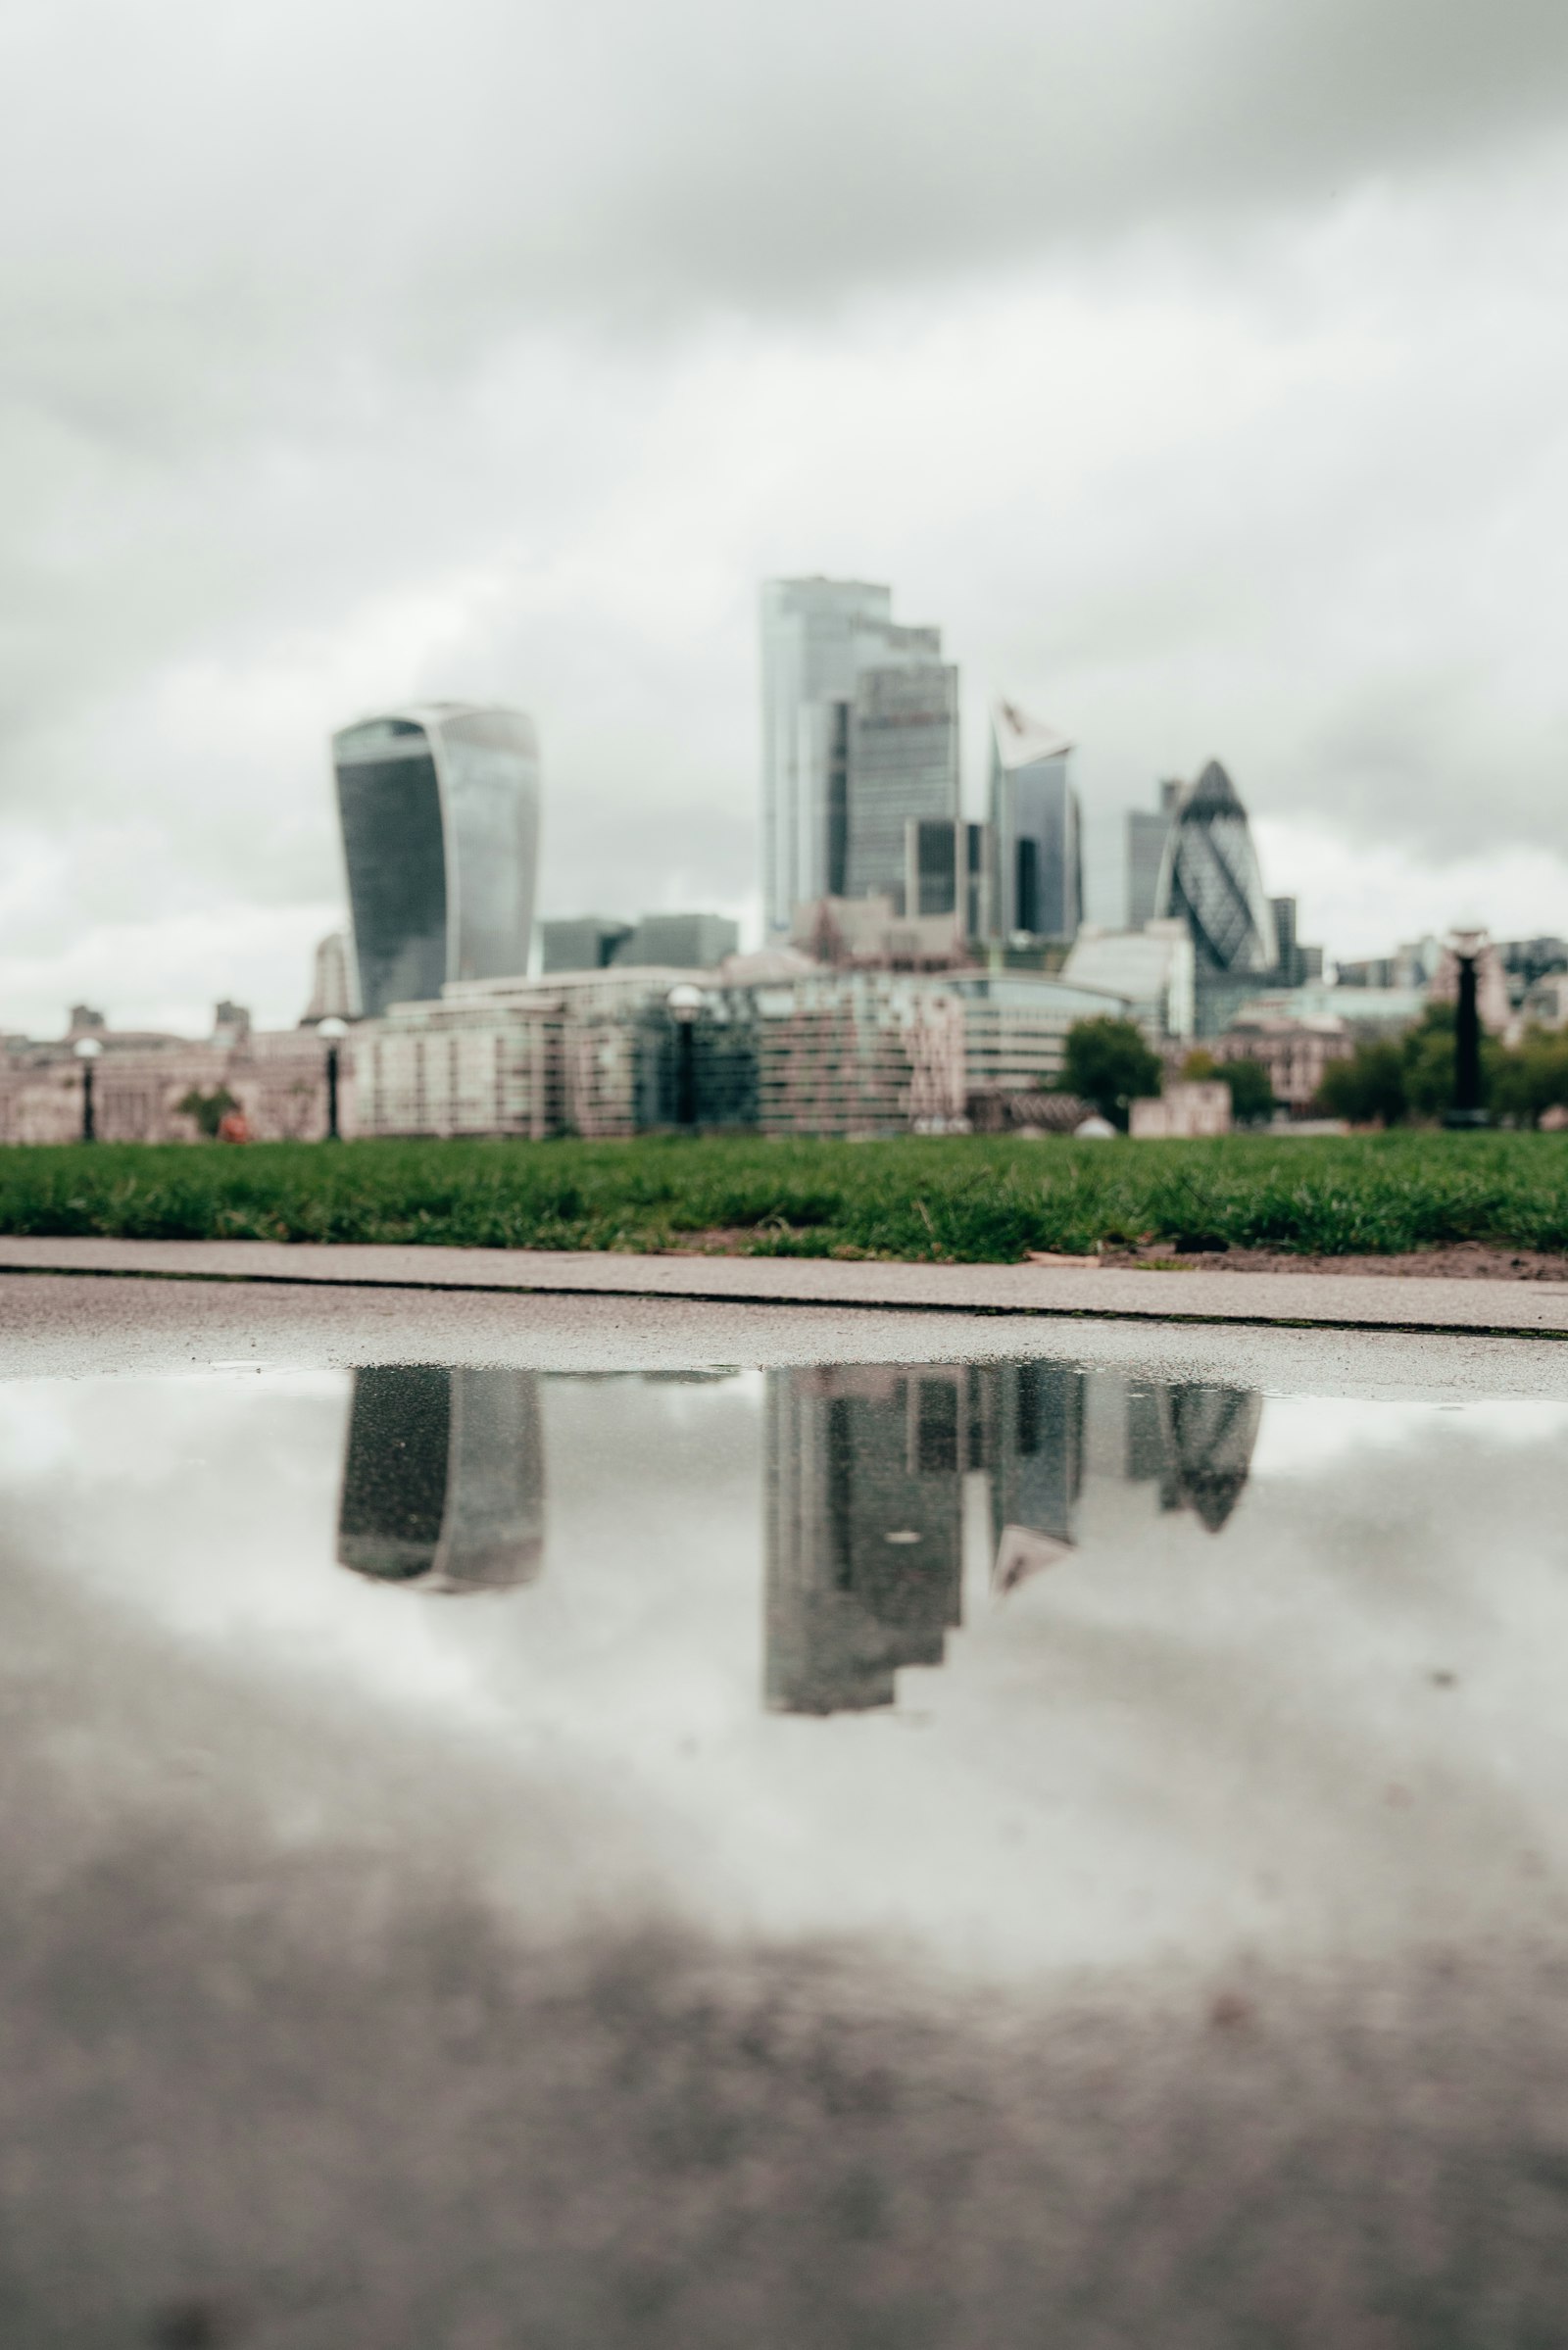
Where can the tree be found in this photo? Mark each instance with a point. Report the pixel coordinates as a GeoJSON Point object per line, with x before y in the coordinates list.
{"type": "Point", "coordinates": [1532, 1078]}
{"type": "Point", "coordinates": [1252, 1093]}
{"type": "Point", "coordinates": [1368, 1089]}
{"type": "Point", "coordinates": [1429, 1068]}
{"type": "Point", "coordinates": [1108, 1062]}
{"type": "Point", "coordinates": [207, 1110]}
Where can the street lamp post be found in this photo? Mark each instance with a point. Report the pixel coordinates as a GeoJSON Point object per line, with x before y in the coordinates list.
{"type": "Point", "coordinates": [333, 1030]}
{"type": "Point", "coordinates": [87, 1050]}
{"type": "Point", "coordinates": [1466, 947]}
{"type": "Point", "coordinates": [685, 1003]}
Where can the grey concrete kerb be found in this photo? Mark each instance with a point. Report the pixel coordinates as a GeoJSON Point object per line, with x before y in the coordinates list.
{"type": "Point", "coordinates": [1339, 1302]}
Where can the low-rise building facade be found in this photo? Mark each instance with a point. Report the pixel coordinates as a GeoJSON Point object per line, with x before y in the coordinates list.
{"type": "Point", "coordinates": [862, 1053]}
{"type": "Point", "coordinates": [1293, 1050]}
{"type": "Point", "coordinates": [141, 1080]}
{"type": "Point", "coordinates": [595, 1052]}
{"type": "Point", "coordinates": [1153, 968]}
{"type": "Point", "coordinates": [1190, 1109]}
{"type": "Point", "coordinates": [800, 1051]}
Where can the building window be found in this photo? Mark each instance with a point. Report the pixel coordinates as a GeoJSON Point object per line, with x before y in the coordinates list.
{"type": "Point", "coordinates": [1028, 906]}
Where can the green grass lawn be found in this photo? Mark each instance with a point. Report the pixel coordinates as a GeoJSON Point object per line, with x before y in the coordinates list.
{"type": "Point", "coordinates": [975, 1198]}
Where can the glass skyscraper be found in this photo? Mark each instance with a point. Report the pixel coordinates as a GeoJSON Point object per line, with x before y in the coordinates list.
{"type": "Point", "coordinates": [1209, 879]}
{"type": "Point", "coordinates": [1036, 830]}
{"type": "Point", "coordinates": [947, 871]}
{"type": "Point", "coordinates": [1147, 830]}
{"type": "Point", "coordinates": [903, 769]}
{"type": "Point", "coordinates": [440, 813]}
{"type": "Point", "coordinates": [859, 734]}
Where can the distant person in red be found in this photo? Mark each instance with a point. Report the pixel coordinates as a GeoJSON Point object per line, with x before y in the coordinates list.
{"type": "Point", "coordinates": [233, 1126]}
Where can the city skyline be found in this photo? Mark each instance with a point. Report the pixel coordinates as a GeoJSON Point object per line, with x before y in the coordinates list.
{"type": "Point", "coordinates": [877, 703]}
{"type": "Point", "coordinates": [864, 1472]}
{"type": "Point", "coordinates": [1227, 420]}
{"type": "Point", "coordinates": [461, 793]}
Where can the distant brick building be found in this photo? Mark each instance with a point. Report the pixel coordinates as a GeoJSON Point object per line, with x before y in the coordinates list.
{"type": "Point", "coordinates": [140, 1078]}
{"type": "Point", "coordinates": [1295, 1051]}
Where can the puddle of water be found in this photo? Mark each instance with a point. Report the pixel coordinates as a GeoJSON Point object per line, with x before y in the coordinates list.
{"type": "Point", "coordinates": [1016, 1663]}
{"type": "Point", "coordinates": [864, 1854]}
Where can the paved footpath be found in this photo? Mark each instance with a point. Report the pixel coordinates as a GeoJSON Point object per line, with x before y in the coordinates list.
{"type": "Point", "coordinates": [1331, 1300]}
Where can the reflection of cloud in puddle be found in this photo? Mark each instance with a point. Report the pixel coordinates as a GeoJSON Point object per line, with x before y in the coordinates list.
{"type": "Point", "coordinates": [205, 1504]}
{"type": "Point", "coordinates": [1179, 1738]}
{"type": "Point", "coordinates": [1304, 1433]}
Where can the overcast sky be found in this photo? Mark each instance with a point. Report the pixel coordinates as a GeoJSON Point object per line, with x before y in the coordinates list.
{"type": "Point", "coordinates": [1200, 365]}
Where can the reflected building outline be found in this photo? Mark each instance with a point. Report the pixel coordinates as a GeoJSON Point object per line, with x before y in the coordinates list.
{"type": "Point", "coordinates": [1035, 1455]}
{"type": "Point", "coordinates": [864, 1530]}
{"type": "Point", "coordinates": [866, 1472]}
{"type": "Point", "coordinates": [866, 1465]}
{"type": "Point", "coordinates": [443, 1477]}
{"type": "Point", "coordinates": [1208, 1434]}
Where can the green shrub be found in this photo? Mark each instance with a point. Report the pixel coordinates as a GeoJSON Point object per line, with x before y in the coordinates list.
{"type": "Point", "coordinates": [207, 1110]}
{"type": "Point", "coordinates": [1108, 1062]}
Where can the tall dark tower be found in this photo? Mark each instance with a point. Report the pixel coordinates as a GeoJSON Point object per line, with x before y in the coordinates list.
{"type": "Point", "coordinates": [440, 815]}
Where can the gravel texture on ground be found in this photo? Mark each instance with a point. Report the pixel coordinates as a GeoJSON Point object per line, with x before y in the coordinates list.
{"type": "Point", "coordinates": [1467, 1261]}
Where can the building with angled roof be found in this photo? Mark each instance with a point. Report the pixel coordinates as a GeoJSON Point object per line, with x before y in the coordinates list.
{"type": "Point", "coordinates": [439, 806]}
{"type": "Point", "coordinates": [1036, 831]}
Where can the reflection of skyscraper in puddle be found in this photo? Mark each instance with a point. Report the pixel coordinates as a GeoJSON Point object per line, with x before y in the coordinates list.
{"type": "Point", "coordinates": [1035, 1452]}
{"type": "Point", "coordinates": [864, 1530]}
{"type": "Point", "coordinates": [443, 1477]}
{"type": "Point", "coordinates": [1146, 1444]}
{"type": "Point", "coordinates": [1210, 1436]}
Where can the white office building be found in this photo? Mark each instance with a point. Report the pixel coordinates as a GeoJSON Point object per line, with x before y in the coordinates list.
{"type": "Point", "coordinates": [1153, 969]}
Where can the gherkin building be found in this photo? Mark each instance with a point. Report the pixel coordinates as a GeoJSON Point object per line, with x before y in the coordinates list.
{"type": "Point", "coordinates": [1209, 879]}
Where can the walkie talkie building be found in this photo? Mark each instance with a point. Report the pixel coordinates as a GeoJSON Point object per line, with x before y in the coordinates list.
{"type": "Point", "coordinates": [440, 813]}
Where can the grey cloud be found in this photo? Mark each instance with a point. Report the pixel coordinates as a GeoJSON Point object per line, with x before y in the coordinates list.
{"type": "Point", "coordinates": [403, 181]}
{"type": "Point", "coordinates": [310, 308]}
